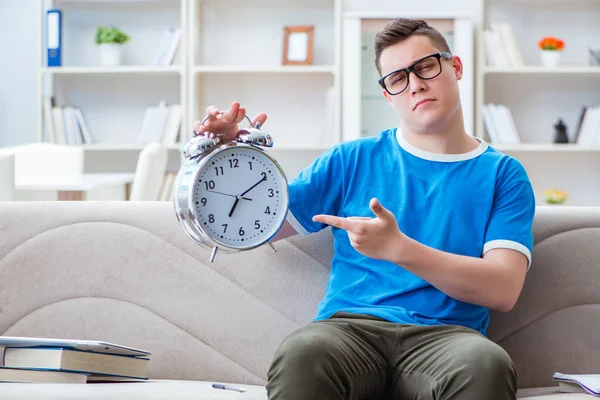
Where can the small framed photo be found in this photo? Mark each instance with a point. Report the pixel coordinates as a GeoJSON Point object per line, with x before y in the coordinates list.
{"type": "Point", "coordinates": [298, 45]}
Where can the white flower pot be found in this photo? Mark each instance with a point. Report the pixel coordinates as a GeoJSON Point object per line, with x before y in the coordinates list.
{"type": "Point", "coordinates": [110, 54]}
{"type": "Point", "coordinates": [550, 58]}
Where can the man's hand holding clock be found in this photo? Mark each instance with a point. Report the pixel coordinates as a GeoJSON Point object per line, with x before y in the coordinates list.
{"type": "Point", "coordinates": [226, 123]}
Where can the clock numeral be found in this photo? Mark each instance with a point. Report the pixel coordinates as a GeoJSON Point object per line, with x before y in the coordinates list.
{"type": "Point", "coordinates": [203, 201]}
{"type": "Point", "coordinates": [209, 184]}
{"type": "Point", "coordinates": [257, 224]}
{"type": "Point", "coordinates": [224, 228]}
{"type": "Point", "coordinates": [234, 163]}
{"type": "Point", "coordinates": [219, 169]}
{"type": "Point", "coordinates": [211, 218]}
{"type": "Point", "coordinates": [271, 194]}
{"type": "Point", "coordinates": [264, 175]}
{"type": "Point", "coordinates": [250, 162]}
{"type": "Point", "coordinates": [241, 231]}
{"type": "Point", "coordinates": [268, 210]}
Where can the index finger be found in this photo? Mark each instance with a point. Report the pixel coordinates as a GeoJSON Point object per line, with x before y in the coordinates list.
{"type": "Point", "coordinates": [230, 115]}
{"type": "Point", "coordinates": [260, 118]}
{"type": "Point", "coordinates": [338, 222]}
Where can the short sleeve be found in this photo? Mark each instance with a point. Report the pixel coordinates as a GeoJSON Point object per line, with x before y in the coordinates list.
{"type": "Point", "coordinates": [316, 190]}
{"type": "Point", "coordinates": [511, 220]}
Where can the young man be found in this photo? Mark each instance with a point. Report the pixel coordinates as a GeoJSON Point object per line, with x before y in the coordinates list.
{"type": "Point", "coordinates": [432, 229]}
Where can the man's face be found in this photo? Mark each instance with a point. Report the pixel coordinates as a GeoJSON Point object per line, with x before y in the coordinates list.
{"type": "Point", "coordinates": [424, 104]}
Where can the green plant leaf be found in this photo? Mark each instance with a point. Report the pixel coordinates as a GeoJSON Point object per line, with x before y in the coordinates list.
{"type": "Point", "coordinates": [111, 34]}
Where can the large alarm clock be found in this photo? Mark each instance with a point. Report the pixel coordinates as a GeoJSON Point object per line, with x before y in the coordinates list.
{"type": "Point", "coordinates": [230, 195]}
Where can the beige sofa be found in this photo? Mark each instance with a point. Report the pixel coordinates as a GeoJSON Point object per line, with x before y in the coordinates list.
{"type": "Point", "coordinates": [125, 272]}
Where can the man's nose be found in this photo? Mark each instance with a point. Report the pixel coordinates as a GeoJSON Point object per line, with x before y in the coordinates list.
{"type": "Point", "coordinates": [416, 84]}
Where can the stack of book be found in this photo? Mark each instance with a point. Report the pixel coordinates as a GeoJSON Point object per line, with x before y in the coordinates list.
{"type": "Point", "coordinates": [578, 383]}
{"type": "Point", "coordinates": [70, 361]}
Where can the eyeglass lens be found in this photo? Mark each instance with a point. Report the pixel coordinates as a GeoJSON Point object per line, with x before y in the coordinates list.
{"type": "Point", "coordinates": [425, 69]}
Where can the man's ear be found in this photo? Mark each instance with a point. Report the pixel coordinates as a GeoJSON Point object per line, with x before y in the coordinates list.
{"type": "Point", "coordinates": [458, 67]}
{"type": "Point", "coordinates": [386, 95]}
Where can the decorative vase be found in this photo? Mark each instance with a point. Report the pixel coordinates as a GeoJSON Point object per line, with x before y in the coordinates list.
{"type": "Point", "coordinates": [550, 58]}
{"type": "Point", "coordinates": [110, 54]}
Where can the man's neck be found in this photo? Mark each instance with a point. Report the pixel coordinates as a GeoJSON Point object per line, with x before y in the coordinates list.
{"type": "Point", "coordinates": [450, 138]}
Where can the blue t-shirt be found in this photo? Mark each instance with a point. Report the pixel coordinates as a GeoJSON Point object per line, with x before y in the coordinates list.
{"type": "Point", "coordinates": [459, 203]}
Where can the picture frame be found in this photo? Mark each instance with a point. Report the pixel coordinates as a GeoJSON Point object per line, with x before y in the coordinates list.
{"type": "Point", "coordinates": [298, 45]}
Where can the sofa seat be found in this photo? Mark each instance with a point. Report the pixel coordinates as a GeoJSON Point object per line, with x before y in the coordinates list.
{"type": "Point", "coordinates": [146, 390]}
{"type": "Point", "coordinates": [184, 390]}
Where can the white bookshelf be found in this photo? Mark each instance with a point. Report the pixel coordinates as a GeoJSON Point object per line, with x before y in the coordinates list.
{"type": "Point", "coordinates": [235, 53]}
{"type": "Point", "coordinates": [113, 99]}
{"type": "Point", "coordinates": [538, 96]}
{"type": "Point", "coordinates": [230, 50]}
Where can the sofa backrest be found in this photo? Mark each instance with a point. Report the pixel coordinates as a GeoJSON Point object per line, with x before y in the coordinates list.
{"type": "Point", "coordinates": [125, 272]}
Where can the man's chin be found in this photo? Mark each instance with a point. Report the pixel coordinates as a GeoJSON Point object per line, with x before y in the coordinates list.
{"type": "Point", "coordinates": [428, 124]}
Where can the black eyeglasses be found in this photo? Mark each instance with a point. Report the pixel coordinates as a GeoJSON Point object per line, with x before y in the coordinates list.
{"type": "Point", "coordinates": [427, 67]}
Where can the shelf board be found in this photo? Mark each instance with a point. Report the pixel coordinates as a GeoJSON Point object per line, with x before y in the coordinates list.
{"type": "Point", "coordinates": [564, 70]}
{"type": "Point", "coordinates": [317, 69]}
{"type": "Point", "coordinates": [298, 148]}
{"type": "Point", "coordinates": [57, 2]}
{"type": "Point", "coordinates": [545, 147]}
{"type": "Point", "coordinates": [126, 69]}
{"type": "Point", "coordinates": [179, 146]}
{"type": "Point", "coordinates": [123, 146]}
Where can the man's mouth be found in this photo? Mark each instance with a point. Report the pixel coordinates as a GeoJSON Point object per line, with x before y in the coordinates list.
{"type": "Point", "coordinates": [420, 102]}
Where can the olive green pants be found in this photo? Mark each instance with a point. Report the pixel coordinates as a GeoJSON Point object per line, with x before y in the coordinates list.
{"type": "Point", "coordinates": [355, 357]}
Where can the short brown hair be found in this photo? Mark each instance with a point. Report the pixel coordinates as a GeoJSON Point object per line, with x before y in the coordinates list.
{"type": "Point", "coordinates": [402, 28]}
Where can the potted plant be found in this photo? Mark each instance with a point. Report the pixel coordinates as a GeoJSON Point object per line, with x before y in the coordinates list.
{"type": "Point", "coordinates": [551, 48]}
{"type": "Point", "coordinates": [110, 40]}
{"type": "Point", "coordinates": [555, 196]}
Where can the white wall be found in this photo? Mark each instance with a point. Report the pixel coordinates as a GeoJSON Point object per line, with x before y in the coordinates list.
{"type": "Point", "coordinates": [18, 69]}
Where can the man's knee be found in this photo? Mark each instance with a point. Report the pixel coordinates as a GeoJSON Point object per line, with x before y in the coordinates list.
{"type": "Point", "coordinates": [486, 358]}
{"type": "Point", "coordinates": [486, 368]}
{"type": "Point", "coordinates": [308, 346]}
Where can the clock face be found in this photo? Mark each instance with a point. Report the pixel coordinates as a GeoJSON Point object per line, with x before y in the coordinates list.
{"type": "Point", "coordinates": [240, 197]}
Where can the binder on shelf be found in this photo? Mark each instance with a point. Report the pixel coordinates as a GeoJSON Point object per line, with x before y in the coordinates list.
{"type": "Point", "coordinates": [54, 37]}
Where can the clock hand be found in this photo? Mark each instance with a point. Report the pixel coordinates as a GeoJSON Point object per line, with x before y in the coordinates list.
{"type": "Point", "coordinates": [264, 178]}
{"type": "Point", "coordinates": [226, 194]}
{"type": "Point", "coordinates": [237, 198]}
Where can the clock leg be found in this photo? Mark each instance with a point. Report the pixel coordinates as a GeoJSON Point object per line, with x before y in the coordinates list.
{"type": "Point", "coordinates": [273, 247]}
{"type": "Point", "coordinates": [213, 253]}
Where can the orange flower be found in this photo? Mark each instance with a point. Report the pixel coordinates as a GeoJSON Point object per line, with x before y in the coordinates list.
{"type": "Point", "coordinates": [551, 43]}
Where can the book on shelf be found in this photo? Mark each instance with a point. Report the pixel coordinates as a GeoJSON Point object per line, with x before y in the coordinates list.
{"type": "Point", "coordinates": [72, 361]}
{"type": "Point", "coordinates": [500, 125]}
{"type": "Point", "coordinates": [587, 130]}
{"type": "Point", "coordinates": [64, 124]}
{"type": "Point", "coordinates": [167, 47]}
{"type": "Point", "coordinates": [161, 123]}
{"type": "Point", "coordinates": [501, 47]}
{"type": "Point", "coordinates": [578, 383]}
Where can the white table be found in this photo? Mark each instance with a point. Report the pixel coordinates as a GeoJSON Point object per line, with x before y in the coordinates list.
{"type": "Point", "coordinates": [75, 187]}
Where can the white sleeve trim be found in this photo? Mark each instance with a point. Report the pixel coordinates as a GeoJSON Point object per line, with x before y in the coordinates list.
{"type": "Point", "coordinates": [296, 225]}
{"type": "Point", "coordinates": [508, 244]}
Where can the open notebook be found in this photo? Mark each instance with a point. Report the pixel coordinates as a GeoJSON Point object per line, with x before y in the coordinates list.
{"type": "Point", "coordinates": [83, 345]}
{"type": "Point", "coordinates": [582, 383]}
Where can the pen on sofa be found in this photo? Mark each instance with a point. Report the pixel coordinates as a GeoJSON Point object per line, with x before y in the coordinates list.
{"type": "Point", "coordinates": [228, 387]}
